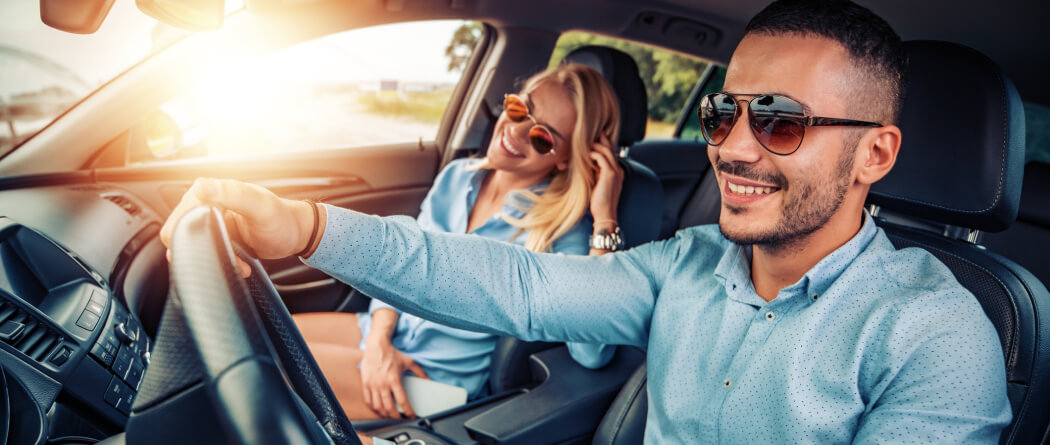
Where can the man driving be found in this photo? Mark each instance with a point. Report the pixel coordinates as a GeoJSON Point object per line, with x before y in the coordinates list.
{"type": "Point", "coordinates": [794, 319]}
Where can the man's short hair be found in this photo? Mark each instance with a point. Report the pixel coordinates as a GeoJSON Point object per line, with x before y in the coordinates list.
{"type": "Point", "coordinates": [873, 45]}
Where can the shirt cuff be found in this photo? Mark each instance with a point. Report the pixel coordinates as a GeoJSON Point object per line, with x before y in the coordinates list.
{"type": "Point", "coordinates": [351, 243]}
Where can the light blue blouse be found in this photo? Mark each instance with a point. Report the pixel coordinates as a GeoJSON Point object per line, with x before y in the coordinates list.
{"type": "Point", "coordinates": [457, 356]}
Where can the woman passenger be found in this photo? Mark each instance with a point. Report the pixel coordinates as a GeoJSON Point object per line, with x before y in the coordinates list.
{"type": "Point", "coordinates": [548, 181]}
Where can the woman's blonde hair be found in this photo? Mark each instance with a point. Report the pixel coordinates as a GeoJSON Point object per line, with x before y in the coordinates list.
{"type": "Point", "coordinates": [567, 197]}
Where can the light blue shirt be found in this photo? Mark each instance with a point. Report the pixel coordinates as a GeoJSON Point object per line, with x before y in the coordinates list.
{"type": "Point", "coordinates": [461, 357]}
{"type": "Point", "coordinates": [872, 345]}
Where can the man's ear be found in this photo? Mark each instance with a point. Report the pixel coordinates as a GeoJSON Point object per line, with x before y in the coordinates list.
{"type": "Point", "coordinates": [878, 153]}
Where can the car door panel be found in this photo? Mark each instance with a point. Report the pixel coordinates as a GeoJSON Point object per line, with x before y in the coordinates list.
{"type": "Point", "coordinates": [388, 180]}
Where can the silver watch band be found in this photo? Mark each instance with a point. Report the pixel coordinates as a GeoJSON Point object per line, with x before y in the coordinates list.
{"type": "Point", "coordinates": [607, 240]}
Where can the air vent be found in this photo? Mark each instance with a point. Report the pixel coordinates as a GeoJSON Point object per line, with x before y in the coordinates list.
{"type": "Point", "coordinates": [25, 333]}
{"type": "Point", "coordinates": [123, 202]}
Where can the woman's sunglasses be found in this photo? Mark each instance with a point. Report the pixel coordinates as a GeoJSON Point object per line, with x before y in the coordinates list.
{"type": "Point", "coordinates": [540, 136]}
{"type": "Point", "coordinates": [778, 122]}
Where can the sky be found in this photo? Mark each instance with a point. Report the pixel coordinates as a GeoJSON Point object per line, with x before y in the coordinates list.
{"type": "Point", "coordinates": [383, 52]}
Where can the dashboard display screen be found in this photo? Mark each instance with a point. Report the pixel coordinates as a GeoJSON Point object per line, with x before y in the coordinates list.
{"type": "Point", "coordinates": [15, 276]}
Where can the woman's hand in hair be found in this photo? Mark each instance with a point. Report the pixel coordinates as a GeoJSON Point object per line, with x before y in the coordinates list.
{"type": "Point", "coordinates": [609, 176]}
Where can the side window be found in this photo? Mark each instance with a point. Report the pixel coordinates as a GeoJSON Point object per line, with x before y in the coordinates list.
{"type": "Point", "coordinates": [669, 77]}
{"type": "Point", "coordinates": [713, 84]}
{"type": "Point", "coordinates": [386, 84]}
{"type": "Point", "coordinates": [1037, 133]}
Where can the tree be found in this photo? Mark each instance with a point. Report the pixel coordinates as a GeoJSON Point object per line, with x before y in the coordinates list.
{"type": "Point", "coordinates": [668, 77]}
{"type": "Point", "coordinates": [464, 39]}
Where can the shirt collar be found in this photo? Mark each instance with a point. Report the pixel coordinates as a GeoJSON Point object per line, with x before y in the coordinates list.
{"type": "Point", "coordinates": [515, 204]}
{"type": "Point", "coordinates": [734, 268]}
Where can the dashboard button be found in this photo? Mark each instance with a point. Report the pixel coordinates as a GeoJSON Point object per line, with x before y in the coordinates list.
{"type": "Point", "coordinates": [103, 354]}
{"type": "Point", "coordinates": [123, 361]}
{"type": "Point", "coordinates": [134, 376]}
{"type": "Point", "coordinates": [119, 396]}
{"type": "Point", "coordinates": [97, 296]}
{"type": "Point", "coordinates": [60, 356]}
{"type": "Point", "coordinates": [94, 308]}
{"type": "Point", "coordinates": [11, 330]}
{"type": "Point", "coordinates": [88, 320]}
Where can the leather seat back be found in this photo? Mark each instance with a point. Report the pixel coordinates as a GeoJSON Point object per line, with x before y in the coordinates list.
{"type": "Point", "coordinates": [1027, 240]}
{"type": "Point", "coordinates": [965, 169]}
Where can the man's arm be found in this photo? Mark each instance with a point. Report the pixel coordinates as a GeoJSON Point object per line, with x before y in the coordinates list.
{"type": "Point", "coordinates": [483, 285]}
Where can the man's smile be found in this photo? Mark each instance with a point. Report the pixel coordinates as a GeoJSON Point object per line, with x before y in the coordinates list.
{"type": "Point", "coordinates": [740, 191]}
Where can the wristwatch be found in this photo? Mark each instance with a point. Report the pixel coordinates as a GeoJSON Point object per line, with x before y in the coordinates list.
{"type": "Point", "coordinates": [607, 240]}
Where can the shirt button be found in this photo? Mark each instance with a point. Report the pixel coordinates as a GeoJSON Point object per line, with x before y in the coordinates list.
{"type": "Point", "coordinates": [815, 296]}
{"type": "Point", "coordinates": [727, 383]}
{"type": "Point", "coordinates": [770, 316]}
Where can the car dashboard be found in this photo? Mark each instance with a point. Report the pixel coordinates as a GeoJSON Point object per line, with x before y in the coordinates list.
{"type": "Point", "coordinates": [80, 265]}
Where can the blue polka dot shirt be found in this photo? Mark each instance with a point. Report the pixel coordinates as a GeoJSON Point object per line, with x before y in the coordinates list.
{"type": "Point", "coordinates": [872, 345]}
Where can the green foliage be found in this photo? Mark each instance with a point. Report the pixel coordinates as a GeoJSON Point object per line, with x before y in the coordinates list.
{"type": "Point", "coordinates": [462, 45]}
{"type": "Point", "coordinates": [669, 77]}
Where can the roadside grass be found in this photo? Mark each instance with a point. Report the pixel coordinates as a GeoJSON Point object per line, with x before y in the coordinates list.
{"type": "Point", "coordinates": [659, 129]}
{"type": "Point", "coordinates": [426, 107]}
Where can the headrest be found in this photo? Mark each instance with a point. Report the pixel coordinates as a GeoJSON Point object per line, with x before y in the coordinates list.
{"type": "Point", "coordinates": [961, 159]}
{"type": "Point", "coordinates": [622, 73]}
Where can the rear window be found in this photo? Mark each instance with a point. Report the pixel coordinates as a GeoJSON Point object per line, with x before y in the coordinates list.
{"type": "Point", "coordinates": [1037, 133]}
{"type": "Point", "coordinates": [669, 77]}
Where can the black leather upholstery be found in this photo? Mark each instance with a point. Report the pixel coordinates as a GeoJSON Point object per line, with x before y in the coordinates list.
{"type": "Point", "coordinates": [690, 189]}
{"type": "Point", "coordinates": [1028, 239]}
{"type": "Point", "coordinates": [638, 212]}
{"type": "Point", "coordinates": [622, 73]}
{"type": "Point", "coordinates": [624, 423]}
{"type": "Point", "coordinates": [962, 152]}
{"type": "Point", "coordinates": [965, 169]}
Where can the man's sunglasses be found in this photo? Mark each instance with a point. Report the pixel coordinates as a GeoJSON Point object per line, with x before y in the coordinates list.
{"type": "Point", "coordinates": [540, 136]}
{"type": "Point", "coordinates": [778, 122]}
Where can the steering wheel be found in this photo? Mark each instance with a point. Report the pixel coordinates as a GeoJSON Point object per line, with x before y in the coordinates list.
{"type": "Point", "coordinates": [246, 337]}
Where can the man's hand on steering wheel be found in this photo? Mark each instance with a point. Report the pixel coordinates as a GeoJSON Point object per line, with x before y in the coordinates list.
{"type": "Point", "coordinates": [271, 226]}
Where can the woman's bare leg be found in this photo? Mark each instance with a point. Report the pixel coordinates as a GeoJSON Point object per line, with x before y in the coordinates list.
{"type": "Point", "coordinates": [333, 338]}
{"type": "Point", "coordinates": [337, 328]}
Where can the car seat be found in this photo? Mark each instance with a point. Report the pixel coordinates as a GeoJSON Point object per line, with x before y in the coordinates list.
{"type": "Point", "coordinates": [639, 209]}
{"type": "Point", "coordinates": [962, 114]}
{"type": "Point", "coordinates": [1027, 240]}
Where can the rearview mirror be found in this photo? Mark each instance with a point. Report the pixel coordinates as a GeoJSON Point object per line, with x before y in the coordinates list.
{"type": "Point", "coordinates": [75, 16]}
{"type": "Point", "coordinates": [194, 15]}
{"type": "Point", "coordinates": [85, 16]}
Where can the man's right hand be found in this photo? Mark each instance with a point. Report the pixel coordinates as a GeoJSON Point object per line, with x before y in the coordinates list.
{"type": "Point", "coordinates": [271, 226]}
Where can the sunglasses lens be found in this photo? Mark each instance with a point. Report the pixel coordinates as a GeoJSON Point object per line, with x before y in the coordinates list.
{"type": "Point", "coordinates": [541, 140]}
{"type": "Point", "coordinates": [515, 108]}
{"type": "Point", "coordinates": [778, 123]}
{"type": "Point", "coordinates": [717, 113]}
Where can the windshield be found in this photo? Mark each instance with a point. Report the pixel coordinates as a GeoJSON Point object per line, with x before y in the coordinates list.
{"type": "Point", "coordinates": [44, 71]}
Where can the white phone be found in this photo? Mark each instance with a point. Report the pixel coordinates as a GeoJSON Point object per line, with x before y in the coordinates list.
{"type": "Point", "coordinates": [429, 397]}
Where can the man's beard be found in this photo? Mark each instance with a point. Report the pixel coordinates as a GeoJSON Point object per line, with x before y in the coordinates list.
{"type": "Point", "coordinates": [812, 205]}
